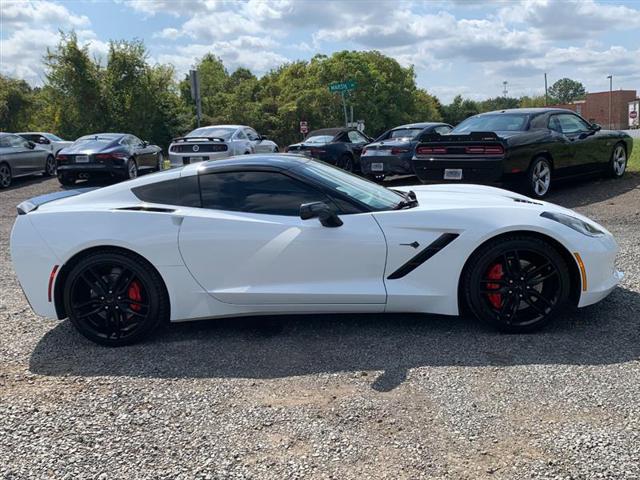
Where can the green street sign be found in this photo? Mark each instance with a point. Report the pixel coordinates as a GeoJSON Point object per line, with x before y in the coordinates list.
{"type": "Point", "coordinates": [342, 86]}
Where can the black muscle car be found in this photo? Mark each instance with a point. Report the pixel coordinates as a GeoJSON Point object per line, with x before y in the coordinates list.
{"type": "Point", "coordinates": [391, 152]}
{"type": "Point", "coordinates": [341, 147]}
{"type": "Point", "coordinates": [529, 147]}
{"type": "Point", "coordinates": [118, 155]}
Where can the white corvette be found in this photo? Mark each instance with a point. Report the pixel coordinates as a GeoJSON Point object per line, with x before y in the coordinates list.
{"type": "Point", "coordinates": [281, 234]}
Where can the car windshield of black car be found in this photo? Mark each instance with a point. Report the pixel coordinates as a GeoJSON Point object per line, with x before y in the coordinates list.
{"type": "Point", "coordinates": [405, 133]}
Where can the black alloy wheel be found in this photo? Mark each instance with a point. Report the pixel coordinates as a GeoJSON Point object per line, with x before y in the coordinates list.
{"type": "Point", "coordinates": [50, 166]}
{"type": "Point", "coordinates": [345, 163]}
{"type": "Point", "coordinates": [5, 175]}
{"type": "Point", "coordinates": [115, 298]}
{"type": "Point", "coordinates": [517, 285]}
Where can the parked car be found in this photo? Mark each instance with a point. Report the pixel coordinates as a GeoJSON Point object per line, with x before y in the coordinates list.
{"type": "Point", "coordinates": [46, 141]}
{"type": "Point", "coordinates": [391, 152]}
{"type": "Point", "coordinates": [20, 157]}
{"type": "Point", "coordinates": [340, 146]}
{"type": "Point", "coordinates": [218, 141]}
{"type": "Point", "coordinates": [528, 147]}
{"type": "Point", "coordinates": [119, 155]}
{"type": "Point", "coordinates": [282, 234]}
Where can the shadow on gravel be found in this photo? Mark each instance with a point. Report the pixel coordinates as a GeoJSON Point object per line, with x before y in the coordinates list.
{"type": "Point", "coordinates": [579, 193]}
{"type": "Point", "coordinates": [275, 347]}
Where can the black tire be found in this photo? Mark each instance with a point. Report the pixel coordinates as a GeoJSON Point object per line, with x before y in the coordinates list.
{"type": "Point", "coordinates": [67, 179]}
{"type": "Point", "coordinates": [516, 284]}
{"type": "Point", "coordinates": [618, 161]}
{"type": "Point", "coordinates": [50, 166]}
{"type": "Point", "coordinates": [276, 150]}
{"type": "Point", "coordinates": [132, 169]}
{"type": "Point", "coordinates": [101, 304]}
{"type": "Point", "coordinates": [346, 163]}
{"type": "Point", "coordinates": [539, 178]}
{"type": "Point", "coordinates": [5, 175]}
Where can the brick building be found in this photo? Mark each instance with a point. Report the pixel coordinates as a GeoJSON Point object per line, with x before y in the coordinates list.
{"type": "Point", "coordinates": [595, 108]}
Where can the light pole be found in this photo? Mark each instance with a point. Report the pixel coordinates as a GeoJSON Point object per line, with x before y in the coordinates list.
{"type": "Point", "coordinates": [610, 77]}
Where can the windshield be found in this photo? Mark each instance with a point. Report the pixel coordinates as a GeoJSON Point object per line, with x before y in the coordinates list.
{"type": "Point", "coordinates": [405, 133]}
{"type": "Point", "coordinates": [98, 137]}
{"type": "Point", "coordinates": [52, 137]}
{"type": "Point", "coordinates": [217, 132]}
{"type": "Point", "coordinates": [369, 193]}
{"type": "Point", "coordinates": [319, 139]}
{"type": "Point", "coordinates": [499, 122]}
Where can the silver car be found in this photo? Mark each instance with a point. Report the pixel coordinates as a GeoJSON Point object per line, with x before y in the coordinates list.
{"type": "Point", "coordinates": [46, 141]}
{"type": "Point", "coordinates": [20, 157]}
{"type": "Point", "coordinates": [218, 141]}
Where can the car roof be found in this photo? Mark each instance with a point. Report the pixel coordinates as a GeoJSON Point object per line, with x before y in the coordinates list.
{"type": "Point", "coordinates": [223, 126]}
{"type": "Point", "coordinates": [282, 161]}
{"type": "Point", "coordinates": [529, 111]}
{"type": "Point", "coordinates": [106, 135]}
{"type": "Point", "coordinates": [419, 125]}
{"type": "Point", "coordinates": [30, 133]}
{"type": "Point", "coordinates": [330, 131]}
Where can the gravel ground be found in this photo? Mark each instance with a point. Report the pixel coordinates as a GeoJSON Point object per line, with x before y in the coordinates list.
{"type": "Point", "coordinates": [362, 396]}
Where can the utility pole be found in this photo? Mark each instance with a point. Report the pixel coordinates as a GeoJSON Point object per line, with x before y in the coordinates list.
{"type": "Point", "coordinates": [344, 107]}
{"type": "Point", "coordinates": [610, 77]}
{"type": "Point", "coordinates": [546, 91]}
{"type": "Point", "coordinates": [505, 92]}
{"type": "Point", "coordinates": [195, 93]}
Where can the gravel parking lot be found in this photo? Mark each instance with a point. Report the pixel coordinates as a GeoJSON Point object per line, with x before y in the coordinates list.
{"type": "Point", "coordinates": [362, 396]}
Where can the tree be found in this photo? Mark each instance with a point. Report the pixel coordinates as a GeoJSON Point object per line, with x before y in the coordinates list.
{"type": "Point", "coordinates": [498, 103]}
{"type": "Point", "coordinates": [459, 109]}
{"type": "Point", "coordinates": [16, 100]}
{"type": "Point", "coordinates": [566, 90]}
{"type": "Point", "coordinates": [535, 101]}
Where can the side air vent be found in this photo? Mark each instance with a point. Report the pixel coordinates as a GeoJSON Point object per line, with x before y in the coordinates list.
{"type": "Point", "coordinates": [145, 208]}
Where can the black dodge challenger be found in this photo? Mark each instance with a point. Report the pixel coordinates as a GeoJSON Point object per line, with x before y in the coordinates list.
{"type": "Point", "coordinates": [119, 155]}
{"type": "Point", "coordinates": [340, 146]}
{"type": "Point", "coordinates": [529, 147]}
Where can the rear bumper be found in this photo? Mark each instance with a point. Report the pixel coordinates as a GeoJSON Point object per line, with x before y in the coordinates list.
{"type": "Point", "coordinates": [92, 168]}
{"type": "Point", "coordinates": [479, 170]}
{"type": "Point", "coordinates": [386, 165]}
{"type": "Point", "coordinates": [180, 159]}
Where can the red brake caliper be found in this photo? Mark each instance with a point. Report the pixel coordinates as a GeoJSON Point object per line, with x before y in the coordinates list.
{"type": "Point", "coordinates": [495, 273]}
{"type": "Point", "coordinates": [134, 293]}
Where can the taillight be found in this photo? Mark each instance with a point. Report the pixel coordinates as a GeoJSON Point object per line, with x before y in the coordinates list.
{"type": "Point", "coordinates": [430, 150]}
{"type": "Point", "coordinates": [489, 150]}
{"type": "Point", "coordinates": [111, 156]}
{"type": "Point", "coordinates": [398, 150]}
{"type": "Point", "coordinates": [62, 158]}
{"type": "Point", "coordinates": [317, 151]}
{"type": "Point", "coordinates": [364, 150]}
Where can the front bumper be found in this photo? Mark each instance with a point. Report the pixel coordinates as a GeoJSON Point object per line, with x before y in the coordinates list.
{"type": "Point", "coordinates": [476, 170]}
{"type": "Point", "coordinates": [386, 165]}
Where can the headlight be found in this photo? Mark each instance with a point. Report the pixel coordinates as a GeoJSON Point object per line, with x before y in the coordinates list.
{"type": "Point", "coordinates": [574, 223]}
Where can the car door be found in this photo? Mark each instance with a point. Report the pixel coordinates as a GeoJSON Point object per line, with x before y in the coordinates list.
{"type": "Point", "coordinates": [143, 154]}
{"type": "Point", "coordinates": [240, 143]}
{"type": "Point", "coordinates": [249, 246]}
{"type": "Point", "coordinates": [579, 133]}
{"type": "Point", "coordinates": [24, 159]}
{"type": "Point", "coordinates": [254, 140]}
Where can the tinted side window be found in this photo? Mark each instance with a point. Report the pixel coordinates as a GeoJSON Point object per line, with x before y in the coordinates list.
{"type": "Point", "coordinates": [554, 124]}
{"type": "Point", "coordinates": [240, 135]}
{"type": "Point", "coordinates": [251, 134]}
{"type": "Point", "coordinates": [257, 192]}
{"type": "Point", "coordinates": [443, 129]}
{"type": "Point", "coordinates": [572, 124]}
{"type": "Point", "coordinates": [355, 137]}
{"type": "Point", "coordinates": [182, 192]}
{"type": "Point", "coordinates": [16, 141]}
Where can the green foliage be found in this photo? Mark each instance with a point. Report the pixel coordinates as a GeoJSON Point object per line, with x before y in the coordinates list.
{"type": "Point", "coordinates": [529, 102]}
{"type": "Point", "coordinates": [634, 159]}
{"type": "Point", "coordinates": [459, 109]}
{"type": "Point", "coordinates": [16, 98]}
{"type": "Point", "coordinates": [566, 90]}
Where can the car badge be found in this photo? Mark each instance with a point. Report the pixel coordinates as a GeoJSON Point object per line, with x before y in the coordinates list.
{"type": "Point", "coordinates": [195, 148]}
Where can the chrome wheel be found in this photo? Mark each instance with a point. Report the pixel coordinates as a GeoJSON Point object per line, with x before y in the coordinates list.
{"type": "Point", "coordinates": [5, 176]}
{"type": "Point", "coordinates": [541, 178]}
{"type": "Point", "coordinates": [619, 161]}
{"type": "Point", "coordinates": [50, 166]}
{"type": "Point", "coordinates": [132, 169]}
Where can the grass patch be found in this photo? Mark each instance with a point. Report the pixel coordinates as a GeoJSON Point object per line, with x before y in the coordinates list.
{"type": "Point", "coordinates": [634, 160]}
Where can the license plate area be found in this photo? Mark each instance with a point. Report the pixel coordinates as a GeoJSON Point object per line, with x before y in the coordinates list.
{"type": "Point", "coordinates": [82, 158]}
{"type": "Point", "coordinates": [197, 159]}
{"type": "Point", "coordinates": [453, 174]}
{"type": "Point", "coordinates": [377, 167]}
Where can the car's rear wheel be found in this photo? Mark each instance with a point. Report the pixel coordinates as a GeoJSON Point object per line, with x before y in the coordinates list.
{"type": "Point", "coordinates": [5, 175]}
{"type": "Point", "coordinates": [132, 169]}
{"type": "Point", "coordinates": [114, 298]}
{"type": "Point", "coordinates": [67, 179]}
{"type": "Point", "coordinates": [539, 178]}
{"type": "Point", "coordinates": [50, 166]}
{"type": "Point", "coordinates": [517, 284]}
{"type": "Point", "coordinates": [618, 162]}
{"type": "Point", "coordinates": [346, 163]}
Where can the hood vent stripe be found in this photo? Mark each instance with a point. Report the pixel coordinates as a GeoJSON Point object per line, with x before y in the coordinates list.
{"type": "Point", "coordinates": [424, 255]}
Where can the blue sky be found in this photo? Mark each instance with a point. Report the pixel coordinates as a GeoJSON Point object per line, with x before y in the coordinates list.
{"type": "Point", "coordinates": [456, 46]}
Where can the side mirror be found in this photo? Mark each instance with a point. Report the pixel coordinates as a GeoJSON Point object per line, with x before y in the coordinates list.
{"type": "Point", "coordinates": [44, 141]}
{"type": "Point", "coordinates": [595, 127]}
{"type": "Point", "coordinates": [145, 144]}
{"type": "Point", "coordinates": [262, 137]}
{"type": "Point", "coordinates": [31, 145]}
{"type": "Point", "coordinates": [321, 211]}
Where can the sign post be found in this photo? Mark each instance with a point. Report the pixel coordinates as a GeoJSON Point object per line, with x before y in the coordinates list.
{"type": "Point", "coordinates": [304, 128]}
{"type": "Point", "coordinates": [194, 79]}
{"type": "Point", "coordinates": [343, 87]}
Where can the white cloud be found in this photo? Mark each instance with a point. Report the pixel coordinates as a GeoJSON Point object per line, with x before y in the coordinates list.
{"type": "Point", "coordinates": [21, 14]}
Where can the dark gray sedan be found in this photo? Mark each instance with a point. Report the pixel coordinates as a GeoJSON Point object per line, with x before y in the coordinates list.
{"type": "Point", "coordinates": [20, 157]}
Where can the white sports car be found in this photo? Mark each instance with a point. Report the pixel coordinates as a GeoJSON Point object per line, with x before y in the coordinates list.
{"type": "Point", "coordinates": [282, 234]}
{"type": "Point", "coordinates": [218, 141]}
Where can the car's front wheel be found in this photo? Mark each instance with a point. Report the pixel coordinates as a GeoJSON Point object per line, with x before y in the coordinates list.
{"type": "Point", "coordinates": [618, 162]}
{"type": "Point", "coordinates": [517, 284]}
{"type": "Point", "coordinates": [346, 163]}
{"type": "Point", "coordinates": [5, 175]}
{"type": "Point", "coordinates": [539, 178]}
{"type": "Point", "coordinates": [114, 298]}
{"type": "Point", "coordinates": [50, 166]}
